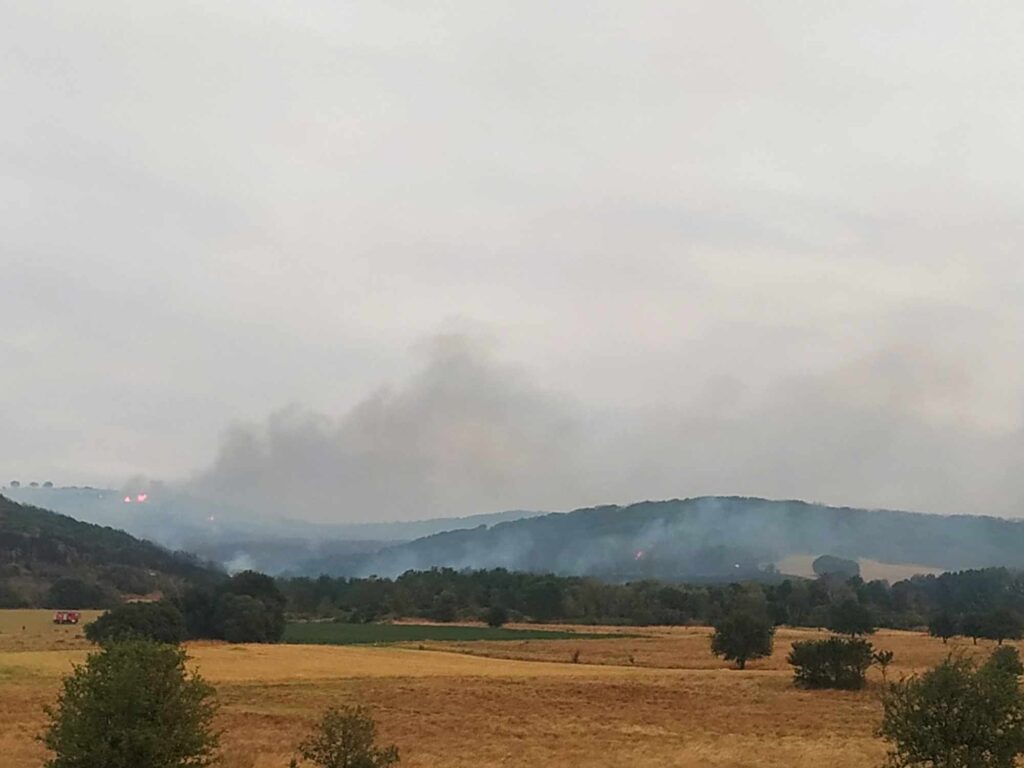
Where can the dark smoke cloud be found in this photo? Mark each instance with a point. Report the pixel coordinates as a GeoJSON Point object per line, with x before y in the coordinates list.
{"type": "Point", "coordinates": [465, 435]}
{"type": "Point", "coordinates": [469, 434]}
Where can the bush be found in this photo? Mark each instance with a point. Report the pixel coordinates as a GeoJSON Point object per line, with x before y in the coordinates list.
{"type": "Point", "coordinates": [345, 738]}
{"type": "Point", "coordinates": [957, 716]}
{"type": "Point", "coordinates": [838, 662]}
{"type": "Point", "coordinates": [132, 704]}
{"type": "Point", "coordinates": [496, 616]}
{"type": "Point", "coordinates": [741, 636]}
{"type": "Point", "coordinates": [161, 622]}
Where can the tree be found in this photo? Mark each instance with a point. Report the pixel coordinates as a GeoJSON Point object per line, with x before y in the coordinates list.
{"type": "Point", "coordinates": [741, 636]}
{"type": "Point", "coordinates": [161, 622]}
{"type": "Point", "coordinates": [248, 608]}
{"type": "Point", "coordinates": [132, 704]}
{"type": "Point", "coordinates": [835, 566]}
{"type": "Point", "coordinates": [956, 716]}
{"type": "Point", "coordinates": [75, 594]}
{"type": "Point", "coordinates": [496, 616]}
{"type": "Point", "coordinates": [1002, 625]}
{"type": "Point", "coordinates": [244, 619]}
{"type": "Point", "coordinates": [345, 738]}
{"type": "Point", "coordinates": [838, 662]}
{"type": "Point", "coordinates": [973, 625]}
{"type": "Point", "coordinates": [942, 625]}
{"type": "Point", "coordinates": [850, 618]}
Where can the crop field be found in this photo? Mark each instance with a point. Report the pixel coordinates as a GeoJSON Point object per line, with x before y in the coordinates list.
{"type": "Point", "coordinates": [642, 698]}
{"type": "Point", "coordinates": [330, 633]}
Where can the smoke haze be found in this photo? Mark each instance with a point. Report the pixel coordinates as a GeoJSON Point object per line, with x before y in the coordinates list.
{"type": "Point", "coordinates": [470, 434]}
{"type": "Point", "coordinates": [639, 250]}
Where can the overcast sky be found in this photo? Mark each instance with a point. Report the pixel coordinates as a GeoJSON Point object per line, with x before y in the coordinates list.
{"type": "Point", "coordinates": [375, 260]}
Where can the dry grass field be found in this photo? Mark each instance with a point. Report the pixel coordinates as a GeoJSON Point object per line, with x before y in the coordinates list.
{"type": "Point", "coordinates": [653, 700]}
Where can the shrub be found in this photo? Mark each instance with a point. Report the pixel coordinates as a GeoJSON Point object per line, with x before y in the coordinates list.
{"type": "Point", "coordinates": [132, 704]}
{"type": "Point", "coordinates": [345, 738]}
{"type": "Point", "coordinates": [957, 716]}
{"type": "Point", "coordinates": [883, 659]}
{"type": "Point", "coordinates": [496, 616]}
{"type": "Point", "coordinates": [741, 636]}
{"type": "Point", "coordinates": [161, 622]}
{"type": "Point", "coordinates": [1005, 659]}
{"type": "Point", "coordinates": [838, 662]}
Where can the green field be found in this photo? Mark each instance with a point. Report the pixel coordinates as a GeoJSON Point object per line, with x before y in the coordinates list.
{"type": "Point", "coordinates": [329, 633]}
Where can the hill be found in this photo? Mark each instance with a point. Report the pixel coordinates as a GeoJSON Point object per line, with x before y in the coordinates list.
{"type": "Point", "coordinates": [710, 538]}
{"type": "Point", "coordinates": [236, 537]}
{"type": "Point", "coordinates": [53, 560]}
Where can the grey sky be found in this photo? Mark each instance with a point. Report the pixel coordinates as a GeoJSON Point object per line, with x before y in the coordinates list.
{"type": "Point", "coordinates": [597, 251]}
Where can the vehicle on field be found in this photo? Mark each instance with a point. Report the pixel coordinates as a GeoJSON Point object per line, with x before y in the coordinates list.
{"type": "Point", "coordinates": [67, 617]}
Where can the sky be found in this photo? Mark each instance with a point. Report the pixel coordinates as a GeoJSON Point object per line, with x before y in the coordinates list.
{"type": "Point", "coordinates": [389, 260]}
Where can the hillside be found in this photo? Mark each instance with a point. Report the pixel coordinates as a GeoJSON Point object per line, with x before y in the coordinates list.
{"type": "Point", "coordinates": [706, 538]}
{"type": "Point", "coordinates": [49, 558]}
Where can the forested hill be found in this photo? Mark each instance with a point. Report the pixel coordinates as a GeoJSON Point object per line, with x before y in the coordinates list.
{"type": "Point", "coordinates": [706, 538]}
{"type": "Point", "coordinates": [50, 559]}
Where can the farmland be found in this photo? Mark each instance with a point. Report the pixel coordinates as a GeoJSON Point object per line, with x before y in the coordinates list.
{"type": "Point", "coordinates": [331, 633]}
{"type": "Point", "coordinates": [648, 697]}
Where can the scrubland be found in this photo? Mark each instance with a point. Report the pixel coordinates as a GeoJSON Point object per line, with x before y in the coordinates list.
{"type": "Point", "coordinates": [649, 697]}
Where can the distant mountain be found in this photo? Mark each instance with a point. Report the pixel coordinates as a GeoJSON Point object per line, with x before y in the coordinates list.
{"type": "Point", "coordinates": [710, 538]}
{"type": "Point", "coordinates": [235, 537]}
{"type": "Point", "coordinates": [47, 557]}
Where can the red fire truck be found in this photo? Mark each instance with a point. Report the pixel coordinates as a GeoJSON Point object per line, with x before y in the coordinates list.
{"type": "Point", "coordinates": [66, 617]}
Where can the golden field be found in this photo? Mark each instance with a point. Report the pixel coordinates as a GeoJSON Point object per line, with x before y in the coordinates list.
{"type": "Point", "coordinates": [654, 699]}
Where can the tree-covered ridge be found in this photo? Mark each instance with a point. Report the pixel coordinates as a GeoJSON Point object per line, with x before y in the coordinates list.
{"type": "Point", "coordinates": [710, 538]}
{"type": "Point", "coordinates": [52, 558]}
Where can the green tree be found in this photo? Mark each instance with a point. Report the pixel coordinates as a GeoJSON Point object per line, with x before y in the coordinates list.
{"type": "Point", "coordinates": [838, 662]}
{"type": "Point", "coordinates": [75, 594]}
{"type": "Point", "coordinates": [741, 636]}
{"type": "Point", "coordinates": [496, 616]}
{"type": "Point", "coordinates": [850, 618]}
{"type": "Point", "coordinates": [132, 704]}
{"type": "Point", "coordinates": [345, 737]}
{"type": "Point", "coordinates": [956, 716]}
{"type": "Point", "coordinates": [160, 621]}
{"type": "Point", "coordinates": [942, 625]}
{"type": "Point", "coordinates": [1002, 625]}
{"type": "Point", "coordinates": [973, 626]}
{"type": "Point", "coordinates": [830, 565]}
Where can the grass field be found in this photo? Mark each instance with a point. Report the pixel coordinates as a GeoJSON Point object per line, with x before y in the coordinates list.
{"type": "Point", "coordinates": [329, 633]}
{"type": "Point", "coordinates": [644, 698]}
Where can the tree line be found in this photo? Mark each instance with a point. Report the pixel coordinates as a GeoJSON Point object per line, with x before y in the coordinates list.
{"type": "Point", "coordinates": [976, 603]}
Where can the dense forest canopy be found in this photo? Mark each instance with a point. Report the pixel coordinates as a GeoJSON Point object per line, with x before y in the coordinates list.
{"type": "Point", "coordinates": [50, 559]}
{"type": "Point", "coordinates": [709, 538]}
